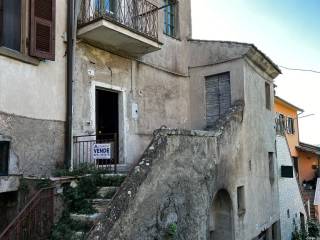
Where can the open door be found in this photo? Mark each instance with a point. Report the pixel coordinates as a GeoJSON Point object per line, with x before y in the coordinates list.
{"type": "Point", "coordinates": [107, 121]}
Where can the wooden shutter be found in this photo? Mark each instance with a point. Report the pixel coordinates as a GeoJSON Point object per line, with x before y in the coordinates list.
{"type": "Point", "coordinates": [42, 29]}
{"type": "Point", "coordinates": [212, 100]}
{"type": "Point", "coordinates": [218, 97]}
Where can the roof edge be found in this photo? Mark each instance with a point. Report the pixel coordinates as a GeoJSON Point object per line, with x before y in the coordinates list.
{"type": "Point", "coordinates": [250, 54]}
{"type": "Point", "coordinates": [289, 104]}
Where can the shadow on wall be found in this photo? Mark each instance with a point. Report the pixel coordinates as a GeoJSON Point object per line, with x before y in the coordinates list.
{"type": "Point", "coordinates": [221, 227]}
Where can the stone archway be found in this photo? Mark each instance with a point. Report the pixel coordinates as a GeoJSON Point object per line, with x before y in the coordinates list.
{"type": "Point", "coordinates": [221, 217]}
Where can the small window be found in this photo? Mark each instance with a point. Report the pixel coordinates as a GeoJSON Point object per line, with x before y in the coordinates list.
{"type": "Point", "coordinates": [271, 167]}
{"type": "Point", "coordinates": [290, 125]}
{"type": "Point", "coordinates": [241, 200]}
{"type": "Point", "coordinates": [10, 24]}
{"type": "Point", "coordinates": [170, 18]}
{"type": "Point", "coordinates": [288, 213]}
{"type": "Point", "coordinates": [280, 123]}
{"type": "Point", "coordinates": [295, 164]}
{"type": "Point", "coordinates": [4, 158]}
{"type": "Point", "coordinates": [267, 95]}
{"type": "Point", "coordinates": [287, 171]}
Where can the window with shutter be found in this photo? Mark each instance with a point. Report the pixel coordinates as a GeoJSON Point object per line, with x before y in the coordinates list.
{"type": "Point", "coordinates": [10, 24]}
{"type": "Point", "coordinates": [218, 97]}
{"type": "Point", "coordinates": [42, 29]}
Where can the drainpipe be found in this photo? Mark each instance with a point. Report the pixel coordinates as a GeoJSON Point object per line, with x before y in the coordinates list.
{"type": "Point", "coordinates": [70, 63]}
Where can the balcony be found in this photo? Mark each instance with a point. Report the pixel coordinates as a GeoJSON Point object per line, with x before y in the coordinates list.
{"type": "Point", "coordinates": [128, 27]}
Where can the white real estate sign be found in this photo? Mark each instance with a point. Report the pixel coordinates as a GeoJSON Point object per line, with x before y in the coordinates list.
{"type": "Point", "coordinates": [101, 151]}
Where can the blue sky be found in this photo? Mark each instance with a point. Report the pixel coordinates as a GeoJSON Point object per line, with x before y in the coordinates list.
{"type": "Point", "coordinates": [288, 31]}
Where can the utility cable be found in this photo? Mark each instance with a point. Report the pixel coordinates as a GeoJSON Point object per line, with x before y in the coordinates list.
{"type": "Point", "coordinates": [299, 69]}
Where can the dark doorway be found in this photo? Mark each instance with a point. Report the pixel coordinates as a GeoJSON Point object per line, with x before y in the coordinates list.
{"type": "Point", "coordinates": [221, 217]}
{"type": "Point", "coordinates": [218, 97]}
{"type": "Point", "coordinates": [107, 119]}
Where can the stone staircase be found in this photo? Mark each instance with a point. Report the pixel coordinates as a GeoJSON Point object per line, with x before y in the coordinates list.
{"type": "Point", "coordinates": [100, 201]}
{"type": "Point", "coordinates": [308, 194]}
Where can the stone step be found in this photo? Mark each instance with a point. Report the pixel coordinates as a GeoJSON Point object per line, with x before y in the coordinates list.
{"type": "Point", "coordinates": [78, 235]}
{"type": "Point", "coordinates": [107, 192]}
{"type": "Point", "coordinates": [100, 204]}
{"type": "Point", "coordinates": [111, 180]}
{"type": "Point", "coordinates": [89, 219]}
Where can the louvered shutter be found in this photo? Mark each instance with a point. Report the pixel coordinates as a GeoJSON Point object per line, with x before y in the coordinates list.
{"type": "Point", "coordinates": [218, 97]}
{"type": "Point", "coordinates": [42, 29]}
{"type": "Point", "coordinates": [212, 99]}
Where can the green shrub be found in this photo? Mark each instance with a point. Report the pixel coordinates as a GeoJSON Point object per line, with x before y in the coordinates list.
{"type": "Point", "coordinates": [66, 228]}
{"type": "Point", "coordinates": [313, 229]}
{"type": "Point", "coordinates": [76, 198]}
{"type": "Point", "coordinates": [172, 230]}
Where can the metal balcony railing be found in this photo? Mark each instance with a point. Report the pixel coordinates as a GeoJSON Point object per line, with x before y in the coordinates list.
{"type": "Point", "coordinates": [139, 16]}
{"type": "Point", "coordinates": [35, 221]}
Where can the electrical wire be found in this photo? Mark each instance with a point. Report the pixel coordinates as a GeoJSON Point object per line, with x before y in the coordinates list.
{"type": "Point", "coordinates": [299, 69]}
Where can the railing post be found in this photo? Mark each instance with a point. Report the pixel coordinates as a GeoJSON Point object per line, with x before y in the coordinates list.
{"type": "Point", "coordinates": [116, 149]}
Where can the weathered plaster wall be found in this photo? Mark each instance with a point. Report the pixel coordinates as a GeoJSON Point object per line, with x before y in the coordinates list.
{"type": "Point", "coordinates": [211, 52]}
{"type": "Point", "coordinates": [175, 183]}
{"type": "Point", "coordinates": [258, 138]}
{"type": "Point", "coordinates": [162, 97]}
{"type": "Point", "coordinates": [32, 107]}
{"type": "Point", "coordinates": [37, 146]}
{"type": "Point", "coordinates": [289, 193]}
{"type": "Point", "coordinates": [198, 92]}
{"type": "Point", "coordinates": [174, 55]}
{"type": "Point", "coordinates": [37, 91]}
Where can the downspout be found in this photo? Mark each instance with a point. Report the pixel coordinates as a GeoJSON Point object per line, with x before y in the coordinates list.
{"type": "Point", "coordinates": [70, 63]}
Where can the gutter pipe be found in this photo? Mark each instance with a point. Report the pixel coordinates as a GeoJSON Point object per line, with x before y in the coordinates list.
{"type": "Point", "coordinates": [70, 63]}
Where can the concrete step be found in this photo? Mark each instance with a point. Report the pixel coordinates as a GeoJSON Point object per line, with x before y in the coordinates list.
{"type": "Point", "coordinates": [88, 219]}
{"type": "Point", "coordinates": [78, 235]}
{"type": "Point", "coordinates": [111, 180]}
{"type": "Point", "coordinates": [107, 192]}
{"type": "Point", "coordinates": [120, 168]}
{"type": "Point", "coordinates": [100, 204]}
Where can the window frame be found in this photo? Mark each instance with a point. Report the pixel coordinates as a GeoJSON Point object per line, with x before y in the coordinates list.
{"type": "Point", "coordinates": [22, 55]}
{"type": "Point", "coordinates": [173, 13]}
{"type": "Point", "coordinates": [271, 167]}
{"type": "Point", "coordinates": [5, 172]}
{"type": "Point", "coordinates": [241, 202]}
{"type": "Point", "coordinates": [290, 125]}
{"type": "Point", "coordinates": [267, 95]}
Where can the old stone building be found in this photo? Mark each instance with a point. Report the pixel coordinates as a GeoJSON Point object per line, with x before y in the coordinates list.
{"type": "Point", "coordinates": [225, 175]}
{"type": "Point", "coordinates": [137, 69]}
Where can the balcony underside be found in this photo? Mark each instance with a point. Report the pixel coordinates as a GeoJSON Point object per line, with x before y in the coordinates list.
{"type": "Point", "coordinates": [118, 39]}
